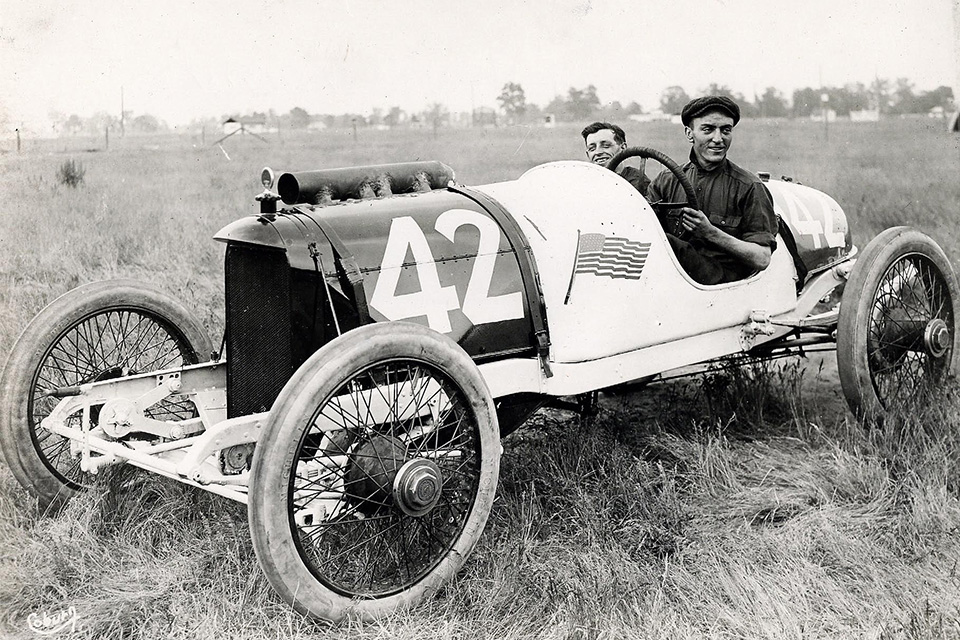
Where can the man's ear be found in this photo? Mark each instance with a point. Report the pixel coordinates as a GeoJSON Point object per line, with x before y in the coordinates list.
{"type": "Point", "coordinates": [687, 131]}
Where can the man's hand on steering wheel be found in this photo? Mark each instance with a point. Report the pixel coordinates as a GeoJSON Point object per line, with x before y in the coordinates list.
{"type": "Point", "coordinates": [695, 223]}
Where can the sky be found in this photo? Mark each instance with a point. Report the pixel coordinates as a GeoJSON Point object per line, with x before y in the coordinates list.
{"type": "Point", "coordinates": [181, 59]}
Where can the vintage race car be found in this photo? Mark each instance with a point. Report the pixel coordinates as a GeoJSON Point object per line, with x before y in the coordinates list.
{"type": "Point", "coordinates": [386, 326]}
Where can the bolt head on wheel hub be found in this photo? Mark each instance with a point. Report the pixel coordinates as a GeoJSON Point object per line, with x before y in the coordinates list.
{"type": "Point", "coordinates": [117, 417]}
{"type": "Point", "coordinates": [417, 487]}
{"type": "Point", "coordinates": [936, 337]}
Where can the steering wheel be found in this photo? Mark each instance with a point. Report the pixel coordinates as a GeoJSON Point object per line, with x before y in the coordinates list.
{"type": "Point", "coordinates": [646, 152]}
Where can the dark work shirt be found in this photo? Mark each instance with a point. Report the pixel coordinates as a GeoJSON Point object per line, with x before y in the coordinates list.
{"type": "Point", "coordinates": [735, 200]}
{"type": "Point", "coordinates": [636, 177]}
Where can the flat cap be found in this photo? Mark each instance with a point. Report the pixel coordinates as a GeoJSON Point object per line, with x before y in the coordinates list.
{"type": "Point", "coordinates": [700, 106]}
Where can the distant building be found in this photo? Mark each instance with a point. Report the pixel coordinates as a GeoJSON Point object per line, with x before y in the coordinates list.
{"type": "Point", "coordinates": [251, 124]}
{"type": "Point", "coordinates": [460, 119]}
{"type": "Point", "coordinates": [484, 117]}
{"type": "Point", "coordinates": [316, 124]}
{"type": "Point", "coordinates": [549, 120]}
{"type": "Point", "coordinates": [654, 116]}
{"type": "Point", "coordinates": [865, 115]}
{"type": "Point", "coordinates": [818, 114]}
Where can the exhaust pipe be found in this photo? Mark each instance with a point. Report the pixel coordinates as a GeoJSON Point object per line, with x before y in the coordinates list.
{"type": "Point", "coordinates": [332, 185]}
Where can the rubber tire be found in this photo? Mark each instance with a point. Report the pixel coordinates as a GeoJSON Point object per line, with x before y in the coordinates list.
{"type": "Point", "coordinates": [319, 376]}
{"type": "Point", "coordinates": [857, 304]}
{"type": "Point", "coordinates": [41, 334]}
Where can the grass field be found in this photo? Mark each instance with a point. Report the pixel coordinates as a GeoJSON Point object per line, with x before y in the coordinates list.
{"type": "Point", "coordinates": [745, 504]}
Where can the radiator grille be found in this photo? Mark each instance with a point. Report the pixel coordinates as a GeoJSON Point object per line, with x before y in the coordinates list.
{"type": "Point", "coordinates": [259, 361]}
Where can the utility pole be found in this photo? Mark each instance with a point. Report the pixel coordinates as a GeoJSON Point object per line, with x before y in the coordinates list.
{"type": "Point", "coordinates": [876, 84]}
{"type": "Point", "coordinates": [824, 98]}
{"type": "Point", "coordinates": [123, 131]}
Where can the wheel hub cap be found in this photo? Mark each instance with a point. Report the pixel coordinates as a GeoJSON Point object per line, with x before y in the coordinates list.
{"type": "Point", "coordinates": [417, 487]}
{"type": "Point", "coordinates": [936, 337]}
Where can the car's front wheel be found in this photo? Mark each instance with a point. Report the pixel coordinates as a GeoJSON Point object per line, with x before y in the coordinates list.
{"type": "Point", "coordinates": [375, 473]}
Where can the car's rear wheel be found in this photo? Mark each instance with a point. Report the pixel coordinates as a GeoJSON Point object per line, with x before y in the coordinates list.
{"type": "Point", "coordinates": [96, 332]}
{"type": "Point", "coordinates": [897, 334]}
{"type": "Point", "coordinates": [375, 473]}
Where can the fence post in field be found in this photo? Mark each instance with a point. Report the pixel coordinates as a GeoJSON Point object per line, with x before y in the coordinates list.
{"type": "Point", "coordinates": [106, 138]}
{"type": "Point", "coordinates": [18, 140]}
{"type": "Point", "coordinates": [824, 99]}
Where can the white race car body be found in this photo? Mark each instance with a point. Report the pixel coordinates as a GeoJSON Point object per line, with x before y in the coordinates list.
{"type": "Point", "coordinates": [626, 317]}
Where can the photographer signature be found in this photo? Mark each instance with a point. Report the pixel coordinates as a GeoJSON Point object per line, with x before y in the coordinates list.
{"type": "Point", "coordinates": [47, 624]}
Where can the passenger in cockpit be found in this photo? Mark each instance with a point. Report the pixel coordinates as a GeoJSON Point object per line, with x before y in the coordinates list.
{"type": "Point", "coordinates": [602, 141]}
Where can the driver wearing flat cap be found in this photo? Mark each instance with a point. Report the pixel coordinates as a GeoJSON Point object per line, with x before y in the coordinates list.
{"type": "Point", "coordinates": [733, 234]}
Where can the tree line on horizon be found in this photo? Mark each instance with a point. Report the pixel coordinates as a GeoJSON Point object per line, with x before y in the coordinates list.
{"type": "Point", "coordinates": [888, 98]}
{"type": "Point", "coordinates": [884, 96]}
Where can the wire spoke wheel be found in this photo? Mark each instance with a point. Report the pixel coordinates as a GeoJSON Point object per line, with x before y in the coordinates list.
{"type": "Point", "coordinates": [912, 296]}
{"type": "Point", "coordinates": [896, 339]}
{"type": "Point", "coordinates": [384, 447]}
{"type": "Point", "coordinates": [101, 331]}
{"type": "Point", "coordinates": [105, 345]}
{"type": "Point", "coordinates": [386, 529]}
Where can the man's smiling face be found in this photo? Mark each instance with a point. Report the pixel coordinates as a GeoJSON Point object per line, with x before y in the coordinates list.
{"type": "Point", "coordinates": [602, 146]}
{"type": "Point", "coordinates": [711, 135]}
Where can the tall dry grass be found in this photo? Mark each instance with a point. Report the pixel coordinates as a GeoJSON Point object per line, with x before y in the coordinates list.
{"type": "Point", "coordinates": [738, 504]}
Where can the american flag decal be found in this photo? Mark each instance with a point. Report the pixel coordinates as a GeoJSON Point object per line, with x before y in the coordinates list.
{"type": "Point", "coordinates": [612, 257]}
